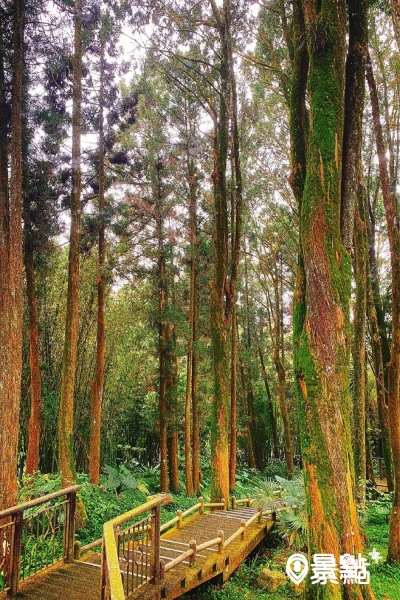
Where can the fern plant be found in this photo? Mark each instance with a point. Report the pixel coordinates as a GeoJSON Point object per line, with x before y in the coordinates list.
{"type": "Point", "coordinates": [287, 499]}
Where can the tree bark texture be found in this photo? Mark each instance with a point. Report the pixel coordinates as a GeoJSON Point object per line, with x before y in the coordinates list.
{"type": "Point", "coordinates": [66, 413]}
{"type": "Point", "coordinates": [11, 271]}
{"type": "Point", "coordinates": [321, 303]}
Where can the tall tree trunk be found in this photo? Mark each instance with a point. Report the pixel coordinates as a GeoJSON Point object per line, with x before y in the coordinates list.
{"type": "Point", "coordinates": [195, 401]}
{"type": "Point", "coordinates": [321, 304]}
{"type": "Point", "coordinates": [270, 405]}
{"type": "Point", "coordinates": [162, 354]}
{"type": "Point", "coordinates": [223, 288]}
{"type": "Point", "coordinates": [247, 416]}
{"type": "Point", "coordinates": [380, 351]}
{"type": "Point", "coordinates": [392, 221]}
{"type": "Point", "coordinates": [233, 429]}
{"type": "Point", "coordinates": [192, 310]}
{"type": "Point", "coordinates": [172, 409]}
{"type": "Point", "coordinates": [383, 415]}
{"type": "Point", "coordinates": [358, 348]}
{"type": "Point", "coordinates": [98, 382]}
{"type": "Point", "coordinates": [66, 413]}
{"type": "Point", "coordinates": [11, 272]}
{"type": "Point", "coordinates": [35, 421]}
{"type": "Point", "coordinates": [280, 369]}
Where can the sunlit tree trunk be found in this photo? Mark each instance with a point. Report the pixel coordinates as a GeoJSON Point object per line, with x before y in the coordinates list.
{"type": "Point", "coordinates": [66, 413]}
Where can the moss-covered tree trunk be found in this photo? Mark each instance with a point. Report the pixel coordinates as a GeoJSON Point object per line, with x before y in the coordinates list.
{"type": "Point", "coordinates": [11, 269]}
{"type": "Point", "coordinates": [321, 303]}
{"type": "Point", "coordinates": [66, 412]}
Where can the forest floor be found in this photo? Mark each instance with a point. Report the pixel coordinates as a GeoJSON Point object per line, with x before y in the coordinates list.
{"type": "Point", "coordinates": [121, 490]}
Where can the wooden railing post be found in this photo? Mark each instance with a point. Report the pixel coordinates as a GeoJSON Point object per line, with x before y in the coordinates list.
{"type": "Point", "coordinates": [221, 543]}
{"type": "Point", "coordinates": [233, 500]}
{"type": "Point", "coordinates": [70, 528]}
{"type": "Point", "coordinates": [201, 502]}
{"type": "Point", "coordinates": [192, 546]}
{"type": "Point", "coordinates": [16, 552]}
{"type": "Point", "coordinates": [156, 511]}
{"type": "Point", "coordinates": [179, 515]}
{"type": "Point", "coordinates": [244, 525]}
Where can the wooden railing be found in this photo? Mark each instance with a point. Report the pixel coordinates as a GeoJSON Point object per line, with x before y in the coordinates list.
{"type": "Point", "coordinates": [131, 555]}
{"type": "Point", "coordinates": [219, 541]}
{"type": "Point", "coordinates": [44, 528]}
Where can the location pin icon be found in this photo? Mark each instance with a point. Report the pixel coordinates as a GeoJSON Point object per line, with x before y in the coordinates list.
{"type": "Point", "coordinates": [297, 568]}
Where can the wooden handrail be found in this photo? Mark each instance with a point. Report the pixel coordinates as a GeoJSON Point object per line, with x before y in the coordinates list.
{"type": "Point", "coordinates": [111, 579]}
{"type": "Point", "coordinates": [139, 510]}
{"type": "Point", "coordinates": [16, 521]}
{"type": "Point", "coordinates": [112, 564]}
{"type": "Point", "coordinates": [8, 512]}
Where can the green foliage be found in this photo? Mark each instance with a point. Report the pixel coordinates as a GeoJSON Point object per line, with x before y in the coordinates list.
{"type": "Point", "coordinates": [120, 478]}
{"type": "Point", "coordinates": [287, 498]}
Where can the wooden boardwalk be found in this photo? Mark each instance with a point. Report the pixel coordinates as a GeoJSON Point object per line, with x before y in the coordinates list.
{"type": "Point", "coordinates": [194, 547]}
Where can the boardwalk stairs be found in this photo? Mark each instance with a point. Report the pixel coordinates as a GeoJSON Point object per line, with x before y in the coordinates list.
{"type": "Point", "coordinates": [140, 559]}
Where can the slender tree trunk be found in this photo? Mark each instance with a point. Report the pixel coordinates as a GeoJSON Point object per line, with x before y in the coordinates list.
{"type": "Point", "coordinates": [66, 414]}
{"type": "Point", "coordinates": [162, 354]}
{"type": "Point", "coordinates": [270, 405]}
{"type": "Point", "coordinates": [192, 310]}
{"type": "Point", "coordinates": [275, 324]}
{"type": "Point", "coordinates": [380, 352]}
{"type": "Point", "coordinates": [98, 382]}
{"type": "Point", "coordinates": [358, 348]}
{"type": "Point", "coordinates": [195, 401]}
{"type": "Point", "coordinates": [383, 415]}
{"type": "Point", "coordinates": [392, 221]}
{"type": "Point", "coordinates": [11, 272]}
{"type": "Point", "coordinates": [250, 450]}
{"type": "Point", "coordinates": [172, 412]}
{"type": "Point", "coordinates": [233, 429]}
{"type": "Point", "coordinates": [35, 421]}
{"type": "Point", "coordinates": [369, 463]}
